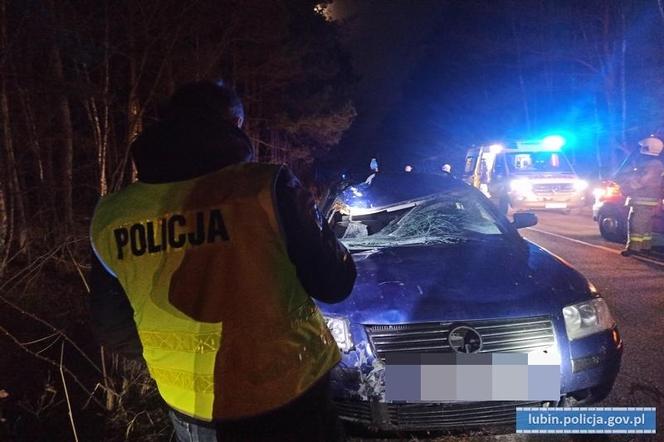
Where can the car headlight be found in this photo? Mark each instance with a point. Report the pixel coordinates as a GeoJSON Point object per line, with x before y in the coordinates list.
{"type": "Point", "coordinates": [587, 318]}
{"type": "Point", "coordinates": [521, 185]}
{"type": "Point", "coordinates": [340, 332]}
{"type": "Point", "coordinates": [608, 190]}
{"type": "Point", "coordinates": [599, 192]}
{"type": "Point", "coordinates": [580, 185]}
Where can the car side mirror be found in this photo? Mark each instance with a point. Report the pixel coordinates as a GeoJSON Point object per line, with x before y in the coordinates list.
{"type": "Point", "coordinates": [524, 219]}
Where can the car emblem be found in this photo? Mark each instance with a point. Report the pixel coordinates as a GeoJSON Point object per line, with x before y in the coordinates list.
{"type": "Point", "coordinates": [464, 339]}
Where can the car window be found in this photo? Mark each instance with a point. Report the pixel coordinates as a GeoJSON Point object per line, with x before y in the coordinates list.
{"type": "Point", "coordinates": [499, 167]}
{"type": "Point", "coordinates": [450, 217]}
{"type": "Point", "coordinates": [538, 162]}
{"type": "Point", "coordinates": [469, 167]}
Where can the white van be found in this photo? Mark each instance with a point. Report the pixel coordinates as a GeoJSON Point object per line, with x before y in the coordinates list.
{"type": "Point", "coordinates": [529, 176]}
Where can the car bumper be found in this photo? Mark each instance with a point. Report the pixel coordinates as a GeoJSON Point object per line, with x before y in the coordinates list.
{"type": "Point", "coordinates": [547, 201]}
{"type": "Point", "coordinates": [358, 386]}
{"type": "Point", "coordinates": [596, 207]}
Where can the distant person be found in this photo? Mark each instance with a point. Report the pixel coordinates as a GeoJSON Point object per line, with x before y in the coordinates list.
{"type": "Point", "coordinates": [484, 177]}
{"type": "Point", "coordinates": [447, 170]}
{"type": "Point", "coordinates": [644, 195]}
{"type": "Point", "coordinates": [206, 267]}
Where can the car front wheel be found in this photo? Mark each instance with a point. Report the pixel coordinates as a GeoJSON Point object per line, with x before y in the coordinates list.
{"type": "Point", "coordinates": [612, 225]}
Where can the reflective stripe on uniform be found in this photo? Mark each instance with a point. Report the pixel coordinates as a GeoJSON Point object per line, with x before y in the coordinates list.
{"type": "Point", "coordinates": [179, 341]}
{"type": "Point", "coordinates": [187, 380]}
{"type": "Point", "coordinates": [639, 201]}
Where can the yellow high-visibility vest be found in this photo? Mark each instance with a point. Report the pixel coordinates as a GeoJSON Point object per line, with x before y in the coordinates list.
{"type": "Point", "coordinates": [227, 329]}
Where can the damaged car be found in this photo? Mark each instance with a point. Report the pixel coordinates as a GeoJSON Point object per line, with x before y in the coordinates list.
{"type": "Point", "coordinates": [440, 272]}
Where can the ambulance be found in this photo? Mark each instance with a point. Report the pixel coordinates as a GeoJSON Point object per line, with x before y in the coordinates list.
{"type": "Point", "coordinates": [529, 175]}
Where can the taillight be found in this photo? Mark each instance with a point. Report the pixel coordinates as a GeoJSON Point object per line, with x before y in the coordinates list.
{"type": "Point", "coordinates": [613, 189]}
{"type": "Point", "coordinates": [608, 189]}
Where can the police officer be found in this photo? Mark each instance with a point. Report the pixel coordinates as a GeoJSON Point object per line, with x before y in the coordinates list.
{"type": "Point", "coordinates": [644, 197]}
{"type": "Point", "coordinates": [206, 267]}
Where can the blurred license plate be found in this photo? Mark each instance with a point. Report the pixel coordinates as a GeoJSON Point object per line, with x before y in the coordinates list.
{"type": "Point", "coordinates": [555, 205]}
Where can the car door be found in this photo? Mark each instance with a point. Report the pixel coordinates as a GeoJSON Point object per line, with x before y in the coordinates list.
{"type": "Point", "coordinates": [497, 184]}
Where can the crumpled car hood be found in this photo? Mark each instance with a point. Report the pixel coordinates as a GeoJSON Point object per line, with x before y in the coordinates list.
{"type": "Point", "coordinates": [472, 280]}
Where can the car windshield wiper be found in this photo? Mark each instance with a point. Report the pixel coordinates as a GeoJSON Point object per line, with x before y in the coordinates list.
{"type": "Point", "coordinates": [370, 243]}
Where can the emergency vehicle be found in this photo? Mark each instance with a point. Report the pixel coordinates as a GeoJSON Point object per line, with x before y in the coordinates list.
{"type": "Point", "coordinates": [528, 175]}
{"type": "Point", "coordinates": [609, 209]}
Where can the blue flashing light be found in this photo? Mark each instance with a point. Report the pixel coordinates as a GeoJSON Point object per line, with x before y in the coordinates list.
{"type": "Point", "coordinates": [553, 142]}
{"type": "Point", "coordinates": [356, 192]}
{"type": "Point", "coordinates": [496, 148]}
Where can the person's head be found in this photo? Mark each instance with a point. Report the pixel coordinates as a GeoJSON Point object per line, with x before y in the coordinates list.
{"type": "Point", "coordinates": [447, 168]}
{"type": "Point", "coordinates": [206, 99]}
{"type": "Point", "coordinates": [197, 132]}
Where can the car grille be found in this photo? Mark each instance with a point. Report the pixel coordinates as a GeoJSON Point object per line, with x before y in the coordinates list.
{"type": "Point", "coordinates": [436, 416]}
{"type": "Point", "coordinates": [354, 411]}
{"type": "Point", "coordinates": [501, 335]}
{"type": "Point", "coordinates": [553, 188]}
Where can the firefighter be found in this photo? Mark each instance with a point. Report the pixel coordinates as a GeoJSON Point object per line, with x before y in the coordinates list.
{"type": "Point", "coordinates": [644, 197]}
{"type": "Point", "coordinates": [206, 267]}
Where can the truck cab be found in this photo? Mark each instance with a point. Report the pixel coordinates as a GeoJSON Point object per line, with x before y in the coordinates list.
{"type": "Point", "coordinates": [529, 175]}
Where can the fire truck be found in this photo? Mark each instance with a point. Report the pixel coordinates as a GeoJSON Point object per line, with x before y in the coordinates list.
{"type": "Point", "coordinates": [609, 209]}
{"type": "Point", "coordinates": [527, 175]}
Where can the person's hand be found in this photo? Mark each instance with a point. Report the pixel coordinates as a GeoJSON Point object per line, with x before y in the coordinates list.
{"type": "Point", "coordinates": [341, 207]}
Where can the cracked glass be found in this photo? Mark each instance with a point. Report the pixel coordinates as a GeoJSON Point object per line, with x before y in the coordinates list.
{"type": "Point", "coordinates": [444, 218]}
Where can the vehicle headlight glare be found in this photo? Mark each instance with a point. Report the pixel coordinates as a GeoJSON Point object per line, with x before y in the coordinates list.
{"type": "Point", "coordinates": [580, 185]}
{"type": "Point", "coordinates": [587, 318]}
{"type": "Point", "coordinates": [521, 185]}
{"type": "Point", "coordinates": [340, 332]}
{"type": "Point", "coordinates": [599, 192]}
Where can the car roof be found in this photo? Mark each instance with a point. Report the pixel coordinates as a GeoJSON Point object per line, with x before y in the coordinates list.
{"type": "Point", "coordinates": [385, 189]}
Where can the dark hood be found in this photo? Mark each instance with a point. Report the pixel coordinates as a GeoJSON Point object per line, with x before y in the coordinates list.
{"type": "Point", "coordinates": [491, 279]}
{"type": "Point", "coordinates": [175, 150]}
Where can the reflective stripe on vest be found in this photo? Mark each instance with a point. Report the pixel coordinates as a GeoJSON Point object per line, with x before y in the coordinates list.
{"type": "Point", "coordinates": [227, 329]}
{"type": "Point", "coordinates": [186, 342]}
{"type": "Point", "coordinates": [643, 201]}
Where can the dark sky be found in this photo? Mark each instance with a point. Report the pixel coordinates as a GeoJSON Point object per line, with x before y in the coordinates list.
{"type": "Point", "coordinates": [386, 39]}
{"type": "Point", "coordinates": [437, 76]}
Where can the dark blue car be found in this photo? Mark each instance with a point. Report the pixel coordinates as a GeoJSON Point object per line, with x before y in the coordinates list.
{"type": "Point", "coordinates": [440, 271]}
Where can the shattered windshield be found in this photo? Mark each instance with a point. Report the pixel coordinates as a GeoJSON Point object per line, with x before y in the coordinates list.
{"type": "Point", "coordinates": [444, 218]}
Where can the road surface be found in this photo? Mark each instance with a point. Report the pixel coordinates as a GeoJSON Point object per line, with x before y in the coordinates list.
{"type": "Point", "coordinates": [634, 289]}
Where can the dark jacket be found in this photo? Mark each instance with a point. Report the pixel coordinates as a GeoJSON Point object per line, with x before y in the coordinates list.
{"type": "Point", "coordinates": [178, 150]}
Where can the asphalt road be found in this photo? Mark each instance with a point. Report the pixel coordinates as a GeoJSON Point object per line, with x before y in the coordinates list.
{"type": "Point", "coordinates": [634, 289]}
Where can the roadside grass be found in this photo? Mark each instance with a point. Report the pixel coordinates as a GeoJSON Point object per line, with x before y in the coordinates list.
{"type": "Point", "coordinates": [56, 382]}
